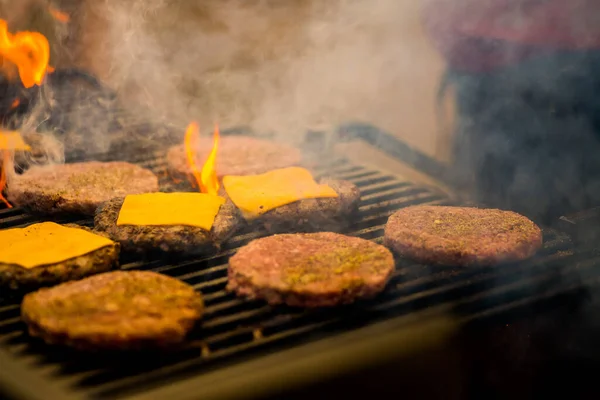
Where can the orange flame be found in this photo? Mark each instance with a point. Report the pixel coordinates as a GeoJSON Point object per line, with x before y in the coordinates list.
{"type": "Point", "coordinates": [15, 104]}
{"type": "Point", "coordinates": [190, 140]}
{"type": "Point", "coordinates": [206, 178]}
{"type": "Point", "coordinates": [58, 15]}
{"type": "Point", "coordinates": [5, 165]}
{"type": "Point", "coordinates": [29, 51]}
{"type": "Point", "coordinates": [210, 182]}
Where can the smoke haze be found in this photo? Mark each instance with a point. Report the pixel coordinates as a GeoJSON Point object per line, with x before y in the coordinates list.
{"type": "Point", "coordinates": [281, 67]}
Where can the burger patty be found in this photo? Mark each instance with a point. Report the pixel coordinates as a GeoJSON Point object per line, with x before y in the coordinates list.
{"type": "Point", "coordinates": [114, 311]}
{"type": "Point", "coordinates": [18, 278]}
{"type": "Point", "coordinates": [310, 269]}
{"type": "Point", "coordinates": [178, 238]}
{"type": "Point", "coordinates": [461, 236]}
{"type": "Point", "coordinates": [312, 215]}
{"type": "Point", "coordinates": [236, 155]}
{"type": "Point", "coordinates": [79, 187]}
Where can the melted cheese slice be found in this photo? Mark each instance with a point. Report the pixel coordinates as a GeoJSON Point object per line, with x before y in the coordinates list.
{"type": "Point", "coordinates": [254, 195]}
{"type": "Point", "coordinates": [46, 243]}
{"type": "Point", "coordinates": [11, 140]}
{"type": "Point", "coordinates": [169, 209]}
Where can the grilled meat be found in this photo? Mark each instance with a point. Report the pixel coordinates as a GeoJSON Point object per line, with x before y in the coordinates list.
{"type": "Point", "coordinates": [114, 311]}
{"type": "Point", "coordinates": [172, 239]}
{"type": "Point", "coordinates": [18, 278]}
{"type": "Point", "coordinates": [310, 269]}
{"type": "Point", "coordinates": [313, 215]}
{"type": "Point", "coordinates": [79, 187]}
{"type": "Point", "coordinates": [461, 236]}
{"type": "Point", "coordinates": [236, 155]}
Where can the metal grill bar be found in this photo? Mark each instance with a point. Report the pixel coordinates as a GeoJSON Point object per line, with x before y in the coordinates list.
{"type": "Point", "coordinates": [235, 327]}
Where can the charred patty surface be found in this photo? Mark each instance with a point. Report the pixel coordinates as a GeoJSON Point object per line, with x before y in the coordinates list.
{"type": "Point", "coordinates": [237, 155]}
{"type": "Point", "coordinates": [79, 187]}
{"type": "Point", "coordinates": [313, 215]}
{"type": "Point", "coordinates": [461, 236]}
{"type": "Point", "coordinates": [18, 278]}
{"type": "Point", "coordinates": [114, 311]}
{"type": "Point", "coordinates": [172, 239]}
{"type": "Point", "coordinates": [310, 269]}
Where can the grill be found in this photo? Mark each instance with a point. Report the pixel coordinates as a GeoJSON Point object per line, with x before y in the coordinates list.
{"type": "Point", "coordinates": [239, 337]}
{"type": "Point", "coordinates": [235, 329]}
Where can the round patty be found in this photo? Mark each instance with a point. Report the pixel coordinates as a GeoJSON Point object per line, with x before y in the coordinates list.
{"type": "Point", "coordinates": [313, 215]}
{"type": "Point", "coordinates": [179, 238]}
{"type": "Point", "coordinates": [236, 155]}
{"type": "Point", "coordinates": [16, 277]}
{"type": "Point", "coordinates": [461, 236]}
{"type": "Point", "coordinates": [79, 187]}
{"type": "Point", "coordinates": [114, 311]}
{"type": "Point", "coordinates": [310, 269]}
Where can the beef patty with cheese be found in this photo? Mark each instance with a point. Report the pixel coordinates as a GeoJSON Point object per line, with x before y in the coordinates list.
{"type": "Point", "coordinates": [45, 254]}
{"type": "Point", "coordinates": [290, 200]}
{"type": "Point", "coordinates": [169, 222]}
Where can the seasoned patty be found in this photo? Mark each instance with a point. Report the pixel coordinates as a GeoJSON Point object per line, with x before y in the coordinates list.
{"type": "Point", "coordinates": [114, 311]}
{"type": "Point", "coordinates": [461, 236]}
{"type": "Point", "coordinates": [236, 155]}
{"type": "Point", "coordinates": [310, 269]}
{"type": "Point", "coordinates": [18, 278]}
{"type": "Point", "coordinates": [313, 215]}
{"type": "Point", "coordinates": [79, 187]}
{"type": "Point", "coordinates": [172, 239]}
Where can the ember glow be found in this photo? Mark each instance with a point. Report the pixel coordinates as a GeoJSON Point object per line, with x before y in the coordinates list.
{"type": "Point", "coordinates": [205, 178]}
{"type": "Point", "coordinates": [28, 51]}
{"type": "Point", "coordinates": [58, 15]}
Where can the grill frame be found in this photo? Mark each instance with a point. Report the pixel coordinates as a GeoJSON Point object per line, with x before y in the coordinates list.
{"type": "Point", "coordinates": [421, 301]}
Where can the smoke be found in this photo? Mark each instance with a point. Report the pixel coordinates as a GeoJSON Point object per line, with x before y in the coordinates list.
{"type": "Point", "coordinates": [281, 67]}
{"type": "Point", "coordinates": [277, 67]}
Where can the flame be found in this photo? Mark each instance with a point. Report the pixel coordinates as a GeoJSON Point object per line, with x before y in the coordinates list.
{"type": "Point", "coordinates": [206, 178]}
{"type": "Point", "coordinates": [58, 15]}
{"type": "Point", "coordinates": [5, 166]}
{"type": "Point", "coordinates": [190, 140]}
{"type": "Point", "coordinates": [210, 182]}
{"type": "Point", "coordinates": [15, 104]}
{"type": "Point", "coordinates": [28, 51]}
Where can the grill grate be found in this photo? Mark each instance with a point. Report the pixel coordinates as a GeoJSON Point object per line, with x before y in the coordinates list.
{"type": "Point", "coordinates": [234, 329]}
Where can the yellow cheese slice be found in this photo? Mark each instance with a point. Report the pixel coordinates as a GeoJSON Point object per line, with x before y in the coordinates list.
{"type": "Point", "coordinates": [254, 195]}
{"type": "Point", "coordinates": [46, 243]}
{"type": "Point", "coordinates": [169, 209]}
{"type": "Point", "coordinates": [11, 140]}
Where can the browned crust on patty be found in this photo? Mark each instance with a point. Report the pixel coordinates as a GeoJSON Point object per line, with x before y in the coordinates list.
{"type": "Point", "coordinates": [21, 279]}
{"type": "Point", "coordinates": [16, 277]}
{"type": "Point", "coordinates": [461, 236]}
{"type": "Point", "coordinates": [310, 269]}
{"type": "Point", "coordinates": [170, 239]}
{"type": "Point", "coordinates": [114, 311]}
{"type": "Point", "coordinates": [312, 215]}
{"type": "Point", "coordinates": [78, 187]}
{"type": "Point", "coordinates": [237, 155]}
